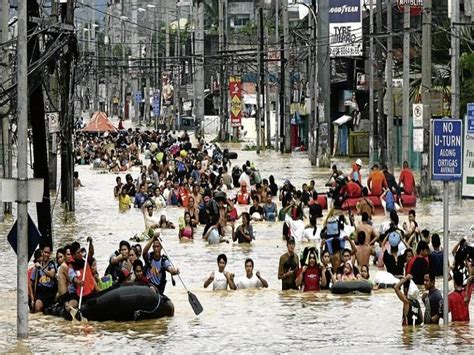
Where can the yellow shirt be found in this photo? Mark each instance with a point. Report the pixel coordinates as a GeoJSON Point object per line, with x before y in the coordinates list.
{"type": "Point", "coordinates": [124, 202]}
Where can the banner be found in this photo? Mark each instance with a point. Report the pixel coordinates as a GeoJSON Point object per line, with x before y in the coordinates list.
{"type": "Point", "coordinates": [235, 93]}
{"type": "Point", "coordinates": [168, 89]}
{"type": "Point", "coordinates": [345, 28]}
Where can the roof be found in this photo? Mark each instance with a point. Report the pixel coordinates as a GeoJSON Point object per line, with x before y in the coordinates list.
{"type": "Point", "coordinates": [99, 122]}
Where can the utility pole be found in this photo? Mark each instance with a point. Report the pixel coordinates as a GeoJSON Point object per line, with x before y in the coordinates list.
{"type": "Point", "coordinates": [199, 65]}
{"type": "Point", "coordinates": [380, 123]}
{"type": "Point", "coordinates": [22, 164]}
{"type": "Point", "coordinates": [426, 97]}
{"type": "Point", "coordinates": [221, 72]}
{"type": "Point", "coordinates": [167, 32]}
{"type": "Point", "coordinates": [36, 118]}
{"type": "Point", "coordinates": [66, 118]}
{"type": "Point", "coordinates": [258, 116]}
{"type": "Point", "coordinates": [54, 104]}
{"type": "Point", "coordinates": [123, 61]}
{"type": "Point", "coordinates": [406, 82]}
{"type": "Point", "coordinates": [277, 99]}
{"type": "Point", "coordinates": [389, 70]}
{"type": "Point", "coordinates": [268, 133]}
{"type": "Point", "coordinates": [455, 72]}
{"type": "Point", "coordinates": [324, 79]}
{"type": "Point", "coordinates": [146, 91]}
{"type": "Point", "coordinates": [287, 82]}
{"type": "Point", "coordinates": [313, 89]}
{"type": "Point", "coordinates": [371, 85]}
{"type": "Point", "coordinates": [281, 97]}
{"type": "Point", "coordinates": [4, 109]}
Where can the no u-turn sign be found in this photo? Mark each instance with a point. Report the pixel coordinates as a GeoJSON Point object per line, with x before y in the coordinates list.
{"type": "Point", "coordinates": [447, 149]}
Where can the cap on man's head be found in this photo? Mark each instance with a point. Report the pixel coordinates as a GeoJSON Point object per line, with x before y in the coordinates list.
{"type": "Point", "coordinates": [359, 162]}
{"type": "Point", "coordinates": [290, 240]}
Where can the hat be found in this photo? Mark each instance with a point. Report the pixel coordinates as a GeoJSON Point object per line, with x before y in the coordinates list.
{"type": "Point", "coordinates": [359, 162]}
{"type": "Point", "coordinates": [287, 182]}
{"type": "Point", "coordinates": [290, 240]}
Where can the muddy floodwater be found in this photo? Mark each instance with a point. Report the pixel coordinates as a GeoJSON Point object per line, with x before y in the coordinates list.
{"type": "Point", "coordinates": [266, 320]}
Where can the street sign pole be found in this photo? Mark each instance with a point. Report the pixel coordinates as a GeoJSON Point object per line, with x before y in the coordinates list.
{"type": "Point", "coordinates": [22, 163]}
{"type": "Point", "coordinates": [447, 166]}
{"type": "Point", "coordinates": [445, 250]}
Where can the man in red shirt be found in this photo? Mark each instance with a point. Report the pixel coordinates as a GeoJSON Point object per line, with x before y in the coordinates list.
{"type": "Point", "coordinates": [458, 300]}
{"type": "Point", "coordinates": [351, 189]}
{"type": "Point", "coordinates": [407, 179]}
{"type": "Point", "coordinates": [376, 181]}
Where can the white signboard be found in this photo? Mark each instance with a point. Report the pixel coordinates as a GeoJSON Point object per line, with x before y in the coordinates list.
{"type": "Point", "coordinates": [345, 28]}
{"type": "Point", "coordinates": [418, 139]}
{"type": "Point", "coordinates": [417, 115]}
{"type": "Point", "coordinates": [53, 121]}
{"type": "Point", "coordinates": [468, 161]}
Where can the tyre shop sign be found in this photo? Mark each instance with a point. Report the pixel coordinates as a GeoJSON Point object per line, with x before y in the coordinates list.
{"type": "Point", "coordinates": [345, 28]}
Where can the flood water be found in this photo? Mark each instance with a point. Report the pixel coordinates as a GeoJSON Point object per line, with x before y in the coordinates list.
{"type": "Point", "coordinates": [267, 320]}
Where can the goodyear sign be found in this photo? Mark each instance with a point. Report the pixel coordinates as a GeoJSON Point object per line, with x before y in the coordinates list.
{"type": "Point", "coordinates": [345, 28]}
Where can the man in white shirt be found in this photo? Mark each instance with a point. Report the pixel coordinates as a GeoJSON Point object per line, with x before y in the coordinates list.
{"type": "Point", "coordinates": [250, 280]}
{"type": "Point", "coordinates": [244, 176]}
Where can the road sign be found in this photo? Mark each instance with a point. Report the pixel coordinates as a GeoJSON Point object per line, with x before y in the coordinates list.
{"type": "Point", "coordinates": [470, 118]}
{"type": "Point", "coordinates": [53, 121]}
{"type": "Point", "coordinates": [156, 103]}
{"type": "Point", "coordinates": [418, 139]}
{"type": "Point", "coordinates": [156, 96]}
{"type": "Point", "coordinates": [417, 115]}
{"type": "Point", "coordinates": [416, 6]}
{"type": "Point", "coordinates": [447, 149]}
{"type": "Point", "coordinates": [34, 237]}
{"type": "Point", "coordinates": [138, 97]}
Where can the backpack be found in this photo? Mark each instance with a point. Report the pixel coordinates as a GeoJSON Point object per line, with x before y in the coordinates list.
{"type": "Point", "coordinates": [390, 201]}
{"type": "Point", "coordinates": [333, 228]}
{"type": "Point", "coordinates": [394, 237]}
{"type": "Point", "coordinates": [413, 317]}
{"type": "Point", "coordinates": [256, 177]}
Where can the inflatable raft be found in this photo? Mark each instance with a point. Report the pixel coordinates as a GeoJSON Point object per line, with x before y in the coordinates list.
{"type": "Point", "coordinates": [408, 201]}
{"type": "Point", "coordinates": [127, 303]}
{"type": "Point", "coordinates": [345, 287]}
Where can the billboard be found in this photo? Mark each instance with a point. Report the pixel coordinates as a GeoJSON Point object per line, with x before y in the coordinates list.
{"type": "Point", "coordinates": [468, 176]}
{"type": "Point", "coordinates": [235, 93]}
{"type": "Point", "coordinates": [345, 28]}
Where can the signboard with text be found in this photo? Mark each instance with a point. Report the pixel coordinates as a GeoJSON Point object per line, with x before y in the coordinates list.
{"type": "Point", "coordinates": [156, 103]}
{"type": "Point", "coordinates": [345, 28]}
{"type": "Point", "coordinates": [416, 6]}
{"type": "Point", "coordinates": [417, 115]}
{"type": "Point", "coordinates": [468, 157]}
{"type": "Point", "coordinates": [235, 93]}
{"type": "Point", "coordinates": [447, 149]}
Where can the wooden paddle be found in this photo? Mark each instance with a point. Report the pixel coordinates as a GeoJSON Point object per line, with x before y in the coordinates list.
{"type": "Point", "coordinates": [192, 298]}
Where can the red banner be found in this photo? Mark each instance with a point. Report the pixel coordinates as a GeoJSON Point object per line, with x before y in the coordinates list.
{"type": "Point", "coordinates": [235, 93]}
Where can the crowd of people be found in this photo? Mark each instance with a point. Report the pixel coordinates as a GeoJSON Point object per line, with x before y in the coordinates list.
{"type": "Point", "coordinates": [380, 182]}
{"type": "Point", "coordinates": [223, 202]}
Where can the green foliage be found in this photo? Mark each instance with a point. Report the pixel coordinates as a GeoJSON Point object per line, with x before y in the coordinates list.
{"type": "Point", "coordinates": [467, 80]}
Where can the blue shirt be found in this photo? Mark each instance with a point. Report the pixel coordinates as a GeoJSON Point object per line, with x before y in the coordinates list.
{"type": "Point", "coordinates": [153, 273]}
{"type": "Point", "coordinates": [140, 199]}
{"type": "Point", "coordinates": [43, 279]}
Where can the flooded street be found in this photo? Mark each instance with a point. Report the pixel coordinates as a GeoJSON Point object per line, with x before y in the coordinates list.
{"type": "Point", "coordinates": [267, 320]}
